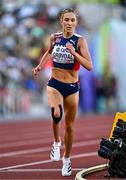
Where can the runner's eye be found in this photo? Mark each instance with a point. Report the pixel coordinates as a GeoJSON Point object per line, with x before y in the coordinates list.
{"type": "Point", "coordinates": [73, 19]}
{"type": "Point", "coordinates": [66, 19]}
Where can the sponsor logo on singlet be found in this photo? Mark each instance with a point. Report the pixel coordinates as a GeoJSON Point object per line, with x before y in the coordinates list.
{"type": "Point", "coordinates": [62, 55]}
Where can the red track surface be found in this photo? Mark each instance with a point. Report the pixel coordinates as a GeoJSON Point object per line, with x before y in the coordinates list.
{"type": "Point", "coordinates": [25, 147]}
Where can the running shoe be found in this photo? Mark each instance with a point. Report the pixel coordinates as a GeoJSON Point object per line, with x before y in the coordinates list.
{"type": "Point", "coordinates": [55, 151]}
{"type": "Point", "coordinates": [66, 170]}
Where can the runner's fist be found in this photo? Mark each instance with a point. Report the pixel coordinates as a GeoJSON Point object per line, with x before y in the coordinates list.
{"type": "Point", "coordinates": [70, 47]}
{"type": "Point", "coordinates": [36, 70]}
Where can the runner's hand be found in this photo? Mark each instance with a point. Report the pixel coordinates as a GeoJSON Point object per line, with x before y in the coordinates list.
{"type": "Point", "coordinates": [70, 47]}
{"type": "Point", "coordinates": [36, 70]}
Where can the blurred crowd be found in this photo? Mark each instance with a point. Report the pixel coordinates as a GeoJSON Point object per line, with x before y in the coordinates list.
{"type": "Point", "coordinates": [24, 34]}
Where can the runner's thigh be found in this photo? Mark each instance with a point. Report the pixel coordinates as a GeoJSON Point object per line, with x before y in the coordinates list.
{"type": "Point", "coordinates": [54, 97]}
{"type": "Point", "coordinates": [71, 107]}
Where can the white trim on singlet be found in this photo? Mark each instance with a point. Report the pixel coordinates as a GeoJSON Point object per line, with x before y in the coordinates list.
{"type": "Point", "coordinates": [78, 35]}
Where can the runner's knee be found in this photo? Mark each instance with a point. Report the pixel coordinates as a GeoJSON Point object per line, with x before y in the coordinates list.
{"type": "Point", "coordinates": [57, 113]}
{"type": "Point", "coordinates": [69, 128]}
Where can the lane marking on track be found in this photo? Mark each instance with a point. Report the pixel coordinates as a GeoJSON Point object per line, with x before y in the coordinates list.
{"type": "Point", "coordinates": [44, 149]}
{"type": "Point", "coordinates": [26, 142]}
{"type": "Point", "coordinates": [38, 170]}
{"type": "Point", "coordinates": [48, 161]}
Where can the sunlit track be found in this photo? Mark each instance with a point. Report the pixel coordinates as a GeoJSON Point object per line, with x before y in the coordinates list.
{"type": "Point", "coordinates": [39, 133]}
{"type": "Point", "coordinates": [90, 154]}
{"type": "Point", "coordinates": [26, 142]}
{"type": "Point", "coordinates": [28, 135]}
{"type": "Point", "coordinates": [33, 142]}
{"type": "Point", "coordinates": [44, 149]}
{"type": "Point", "coordinates": [18, 130]}
{"type": "Point", "coordinates": [24, 154]}
{"type": "Point", "coordinates": [8, 127]}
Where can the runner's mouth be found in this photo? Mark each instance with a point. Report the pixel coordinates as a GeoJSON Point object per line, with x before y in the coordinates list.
{"type": "Point", "coordinates": [69, 27]}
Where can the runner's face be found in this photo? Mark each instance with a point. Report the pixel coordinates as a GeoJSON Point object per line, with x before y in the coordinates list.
{"type": "Point", "coordinates": [69, 22]}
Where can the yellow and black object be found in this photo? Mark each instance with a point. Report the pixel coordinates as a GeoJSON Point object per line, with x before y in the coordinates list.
{"type": "Point", "coordinates": [114, 148]}
{"type": "Point", "coordinates": [118, 116]}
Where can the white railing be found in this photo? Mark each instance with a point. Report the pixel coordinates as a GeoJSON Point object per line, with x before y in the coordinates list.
{"type": "Point", "coordinates": [21, 103]}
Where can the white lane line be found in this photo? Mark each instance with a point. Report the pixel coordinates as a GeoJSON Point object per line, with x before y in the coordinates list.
{"type": "Point", "coordinates": [26, 142]}
{"type": "Point", "coordinates": [44, 149]}
{"type": "Point", "coordinates": [22, 152]}
{"type": "Point", "coordinates": [48, 161]}
{"type": "Point", "coordinates": [38, 170]}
